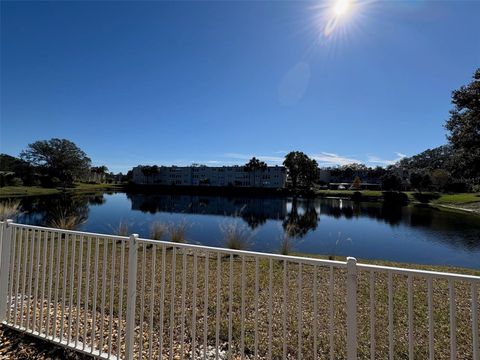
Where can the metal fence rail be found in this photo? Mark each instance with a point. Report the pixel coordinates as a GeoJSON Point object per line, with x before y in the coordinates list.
{"type": "Point", "coordinates": [132, 298]}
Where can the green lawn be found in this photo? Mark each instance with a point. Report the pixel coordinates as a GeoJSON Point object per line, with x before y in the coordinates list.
{"type": "Point", "coordinates": [462, 198]}
{"type": "Point", "coordinates": [19, 191]}
{"type": "Point", "coordinates": [348, 193]}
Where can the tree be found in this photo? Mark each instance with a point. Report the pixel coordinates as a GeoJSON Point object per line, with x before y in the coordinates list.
{"type": "Point", "coordinates": [357, 183]}
{"type": "Point", "coordinates": [420, 181]}
{"type": "Point", "coordinates": [464, 128]}
{"type": "Point", "coordinates": [253, 166]}
{"type": "Point", "coordinates": [430, 159]}
{"type": "Point", "coordinates": [301, 169]}
{"type": "Point", "coordinates": [391, 182]}
{"type": "Point", "coordinates": [99, 169]}
{"type": "Point", "coordinates": [148, 171]}
{"type": "Point", "coordinates": [57, 158]}
{"type": "Point", "coordinates": [440, 179]}
{"type": "Point", "coordinates": [14, 168]}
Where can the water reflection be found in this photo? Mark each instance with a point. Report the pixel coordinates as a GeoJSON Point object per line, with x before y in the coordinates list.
{"type": "Point", "coordinates": [63, 210]}
{"type": "Point", "coordinates": [300, 220]}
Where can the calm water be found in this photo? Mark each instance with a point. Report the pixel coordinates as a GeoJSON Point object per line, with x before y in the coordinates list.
{"type": "Point", "coordinates": [322, 226]}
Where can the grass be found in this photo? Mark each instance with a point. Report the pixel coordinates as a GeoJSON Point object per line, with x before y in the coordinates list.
{"type": "Point", "coordinates": [236, 236]}
{"type": "Point", "coordinates": [177, 232]}
{"type": "Point", "coordinates": [20, 191]}
{"type": "Point", "coordinates": [158, 231]}
{"type": "Point", "coordinates": [372, 194]}
{"type": "Point", "coordinates": [9, 209]}
{"type": "Point", "coordinates": [462, 198]}
{"type": "Point", "coordinates": [162, 305]}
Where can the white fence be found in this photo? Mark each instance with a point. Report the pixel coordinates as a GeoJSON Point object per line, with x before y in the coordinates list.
{"type": "Point", "coordinates": [126, 297]}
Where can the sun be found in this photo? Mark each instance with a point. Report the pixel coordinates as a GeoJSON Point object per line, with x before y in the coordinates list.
{"type": "Point", "coordinates": [341, 7]}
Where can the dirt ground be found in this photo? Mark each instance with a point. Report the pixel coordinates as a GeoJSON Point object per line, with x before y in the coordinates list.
{"type": "Point", "coordinates": [15, 345]}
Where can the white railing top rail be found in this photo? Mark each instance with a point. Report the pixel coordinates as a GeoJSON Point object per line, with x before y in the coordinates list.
{"type": "Point", "coordinates": [417, 272]}
{"type": "Point", "coordinates": [298, 259]}
{"type": "Point", "coordinates": [305, 260]}
{"type": "Point", "coordinates": [74, 232]}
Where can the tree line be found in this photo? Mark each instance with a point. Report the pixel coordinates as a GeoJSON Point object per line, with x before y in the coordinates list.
{"type": "Point", "coordinates": [48, 163]}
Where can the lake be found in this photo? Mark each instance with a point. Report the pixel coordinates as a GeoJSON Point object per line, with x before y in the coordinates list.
{"type": "Point", "coordinates": [332, 227]}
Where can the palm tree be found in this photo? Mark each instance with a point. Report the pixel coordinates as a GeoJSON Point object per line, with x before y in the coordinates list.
{"type": "Point", "coordinates": [253, 165]}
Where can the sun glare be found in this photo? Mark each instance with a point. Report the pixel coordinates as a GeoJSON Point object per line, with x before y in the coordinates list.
{"type": "Point", "coordinates": [341, 7]}
{"type": "Point", "coordinates": [336, 16]}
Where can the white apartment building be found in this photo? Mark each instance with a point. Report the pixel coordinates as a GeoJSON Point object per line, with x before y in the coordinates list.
{"type": "Point", "coordinates": [271, 177]}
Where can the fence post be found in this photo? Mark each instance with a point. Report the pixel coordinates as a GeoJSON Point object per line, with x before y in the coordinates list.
{"type": "Point", "coordinates": [5, 267]}
{"type": "Point", "coordinates": [351, 308]}
{"type": "Point", "coordinates": [131, 296]}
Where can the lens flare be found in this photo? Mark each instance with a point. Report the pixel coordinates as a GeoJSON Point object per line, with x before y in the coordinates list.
{"type": "Point", "coordinates": [341, 7]}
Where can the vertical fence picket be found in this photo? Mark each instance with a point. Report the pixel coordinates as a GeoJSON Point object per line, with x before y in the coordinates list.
{"type": "Point", "coordinates": [120, 300]}
{"type": "Point", "coordinates": [162, 302]}
{"type": "Point", "coordinates": [476, 355]}
{"type": "Point", "coordinates": [35, 286]}
{"type": "Point", "coordinates": [431, 335]}
{"type": "Point", "coordinates": [410, 318]}
{"type": "Point", "coordinates": [390, 317]}
{"type": "Point", "coordinates": [331, 317]}
{"type": "Point", "coordinates": [131, 296]}
{"type": "Point", "coordinates": [172, 301]}
{"type": "Point", "coordinates": [72, 277]}
{"type": "Point", "coordinates": [453, 323]}
{"type": "Point", "coordinates": [230, 307]}
{"type": "Point", "coordinates": [194, 306]}
{"type": "Point", "coordinates": [12, 234]}
{"type": "Point", "coordinates": [205, 307]}
{"type": "Point", "coordinates": [44, 272]}
{"type": "Point", "coordinates": [112, 297]}
{"type": "Point", "coordinates": [94, 294]}
{"type": "Point", "coordinates": [182, 316]}
{"type": "Point", "coordinates": [372, 315]}
{"type": "Point", "coordinates": [152, 299]}
{"type": "Point", "coordinates": [142, 299]}
{"type": "Point", "coordinates": [87, 291]}
{"type": "Point", "coordinates": [5, 249]}
{"type": "Point", "coordinates": [64, 287]}
{"type": "Point", "coordinates": [79, 289]}
{"type": "Point", "coordinates": [217, 305]}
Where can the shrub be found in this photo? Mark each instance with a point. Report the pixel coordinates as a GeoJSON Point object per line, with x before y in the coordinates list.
{"type": "Point", "coordinates": [122, 229]}
{"type": "Point", "coordinates": [177, 232]}
{"type": "Point", "coordinates": [425, 198]}
{"type": "Point", "coordinates": [9, 209]}
{"type": "Point", "coordinates": [16, 181]}
{"type": "Point", "coordinates": [394, 197]}
{"type": "Point", "coordinates": [158, 231]}
{"type": "Point", "coordinates": [236, 236]}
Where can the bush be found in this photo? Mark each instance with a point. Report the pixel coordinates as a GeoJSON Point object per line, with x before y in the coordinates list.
{"type": "Point", "coordinates": [16, 181]}
{"type": "Point", "coordinates": [394, 197]}
{"type": "Point", "coordinates": [425, 198]}
{"type": "Point", "coordinates": [391, 182]}
{"type": "Point", "coordinates": [457, 186]}
{"type": "Point", "coordinates": [357, 196]}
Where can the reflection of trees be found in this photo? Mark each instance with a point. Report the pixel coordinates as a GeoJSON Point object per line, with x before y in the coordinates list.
{"type": "Point", "coordinates": [299, 224]}
{"type": "Point", "coordinates": [253, 219]}
{"type": "Point", "coordinates": [390, 213]}
{"type": "Point", "coordinates": [58, 211]}
{"type": "Point", "coordinates": [255, 211]}
{"type": "Point", "coordinates": [96, 199]}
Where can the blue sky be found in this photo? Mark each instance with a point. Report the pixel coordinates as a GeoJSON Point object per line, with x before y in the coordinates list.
{"type": "Point", "coordinates": [217, 82]}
